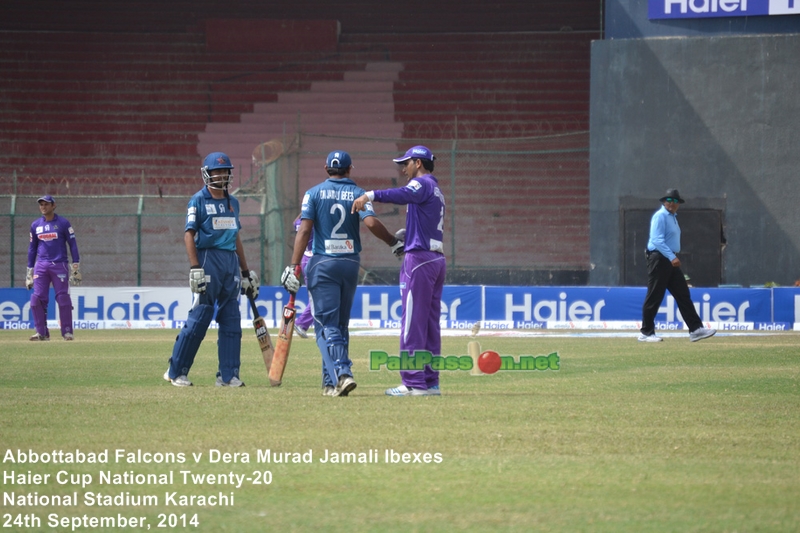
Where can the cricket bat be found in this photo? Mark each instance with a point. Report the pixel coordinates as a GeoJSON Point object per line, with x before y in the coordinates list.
{"type": "Point", "coordinates": [284, 343]}
{"type": "Point", "coordinates": [267, 351]}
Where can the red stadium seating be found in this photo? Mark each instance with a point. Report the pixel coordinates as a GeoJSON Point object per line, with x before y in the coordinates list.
{"type": "Point", "coordinates": [139, 103]}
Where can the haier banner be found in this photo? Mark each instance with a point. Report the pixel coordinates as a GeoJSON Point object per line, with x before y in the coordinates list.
{"type": "Point", "coordinates": [692, 9]}
{"type": "Point", "coordinates": [531, 307]}
{"type": "Point", "coordinates": [493, 307]}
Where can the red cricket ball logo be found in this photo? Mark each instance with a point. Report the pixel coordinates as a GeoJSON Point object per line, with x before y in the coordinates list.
{"type": "Point", "coordinates": [489, 362]}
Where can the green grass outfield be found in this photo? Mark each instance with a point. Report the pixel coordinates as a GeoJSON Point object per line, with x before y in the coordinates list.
{"type": "Point", "coordinates": [626, 436]}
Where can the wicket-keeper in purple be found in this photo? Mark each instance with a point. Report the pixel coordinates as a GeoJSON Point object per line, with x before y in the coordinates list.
{"type": "Point", "coordinates": [48, 263]}
{"type": "Point", "coordinates": [423, 272]}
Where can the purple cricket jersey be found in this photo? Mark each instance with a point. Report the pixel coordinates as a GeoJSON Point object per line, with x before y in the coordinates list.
{"type": "Point", "coordinates": [49, 241]}
{"type": "Point", "coordinates": [425, 213]}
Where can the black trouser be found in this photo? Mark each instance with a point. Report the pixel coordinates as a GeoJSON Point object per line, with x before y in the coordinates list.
{"type": "Point", "coordinates": [662, 277]}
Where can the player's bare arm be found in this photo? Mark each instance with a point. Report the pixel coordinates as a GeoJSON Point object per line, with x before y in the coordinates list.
{"type": "Point", "coordinates": [191, 247]}
{"type": "Point", "coordinates": [240, 253]}
{"type": "Point", "coordinates": [377, 228]}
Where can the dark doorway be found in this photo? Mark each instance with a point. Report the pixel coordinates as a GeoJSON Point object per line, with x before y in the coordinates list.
{"type": "Point", "coordinates": [701, 240]}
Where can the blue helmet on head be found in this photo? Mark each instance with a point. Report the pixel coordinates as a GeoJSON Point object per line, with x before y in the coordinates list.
{"type": "Point", "coordinates": [216, 161]}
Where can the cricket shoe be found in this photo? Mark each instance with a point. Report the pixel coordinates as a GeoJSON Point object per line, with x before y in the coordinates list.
{"type": "Point", "coordinates": [69, 337]}
{"type": "Point", "coordinates": [38, 337]}
{"type": "Point", "coordinates": [346, 385]}
{"type": "Point", "coordinates": [302, 332]}
{"type": "Point", "coordinates": [180, 381]}
{"type": "Point", "coordinates": [701, 333]}
{"type": "Point", "coordinates": [649, 338]}
{"type": "Point", "coordinates": [234, 382]}
{"type": "Point", "coordinates": [434, 391]}
{"type": "Point", "coordinates": [328, 390]}
{"type": "Point", "coordinates": [402, 390]}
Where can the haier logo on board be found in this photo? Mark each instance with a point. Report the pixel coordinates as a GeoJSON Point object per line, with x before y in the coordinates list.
{"type": "Point", "coordinates": [702, 7]}
{"type": "Point", "coordinates": [671, 9]}
{"type": "Point", "coordinates": [563, 310]}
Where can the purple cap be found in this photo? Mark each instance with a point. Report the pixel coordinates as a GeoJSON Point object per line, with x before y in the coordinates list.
{"type": "Point", "coordinates": [46, 198]}
{"type": "Point", "coordinates": [415, 152]}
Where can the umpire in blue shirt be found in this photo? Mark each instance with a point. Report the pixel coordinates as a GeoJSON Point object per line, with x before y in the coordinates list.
{"type": "Point", "coordinates": [664, 272]}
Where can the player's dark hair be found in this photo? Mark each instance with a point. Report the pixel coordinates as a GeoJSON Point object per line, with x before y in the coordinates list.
{"type": "Point", "coordinates": [337, 171]}
{"type": "Point", "coordinates": [427, 164]}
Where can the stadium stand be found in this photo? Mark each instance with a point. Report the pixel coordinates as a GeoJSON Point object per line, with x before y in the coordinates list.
{"type": "Point", "coordinates": [132, 107]}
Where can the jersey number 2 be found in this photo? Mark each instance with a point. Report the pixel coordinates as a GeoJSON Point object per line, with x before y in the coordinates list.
{"type": "Point", "coordinates": [342, 214]}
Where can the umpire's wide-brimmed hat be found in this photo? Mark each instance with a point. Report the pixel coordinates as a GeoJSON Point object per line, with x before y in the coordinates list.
{"type": "Point", "coordinates": [674, 194]}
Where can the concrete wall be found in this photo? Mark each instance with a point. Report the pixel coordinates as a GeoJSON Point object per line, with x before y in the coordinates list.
{"type": "Point", "coordinates": [717, 118]}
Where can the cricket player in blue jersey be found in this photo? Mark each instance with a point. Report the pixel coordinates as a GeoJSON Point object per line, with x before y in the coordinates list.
{"type": "Point", "coordinates": [332, 271]}
{"type": "Point", "coordinates": [216, 256]}
{"type": "Point", "coordinates": [423, 272]}
{"type": "Point", "coordinates": [48, 263]}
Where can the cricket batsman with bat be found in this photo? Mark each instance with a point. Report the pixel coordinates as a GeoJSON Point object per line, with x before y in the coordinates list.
{"type": "Point", "coordinates": [423, 271]}
{"type": "Point", "coordinates": [216, 259]}
{"type": "Point", "coordinates": [332, 271]}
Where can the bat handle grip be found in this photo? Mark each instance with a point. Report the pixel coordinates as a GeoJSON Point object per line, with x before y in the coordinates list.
{"type": "Point", "coordinates": [253, 307]}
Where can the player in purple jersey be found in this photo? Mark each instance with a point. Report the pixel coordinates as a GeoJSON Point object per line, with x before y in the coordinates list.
{"type": "Point", "coordinates": [423, 271]}
{"type": "Point", "coordinates": [306, 318]}
{"type": "Point", "coordinates": [48, 263]}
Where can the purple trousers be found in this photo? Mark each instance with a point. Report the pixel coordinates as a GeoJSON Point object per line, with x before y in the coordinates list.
{"type": "Point", "coordinates": [421, 284]}
{"type": "Point", "coordinates": [45, 274]}
{"type": "Point", "coordinates": [306, 318]}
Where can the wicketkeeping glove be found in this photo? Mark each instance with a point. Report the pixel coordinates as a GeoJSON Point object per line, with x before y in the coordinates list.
{"type": "Point", "coordinates": [75, 277]}
{"type": "Point", "coordinates": [250, 284]}
{"type": "Point", "coordinates": [29, 279]}
{"type": "Point", "coordinates": [197, 279]}
{"type": "Point", "coordinates": [289, 280]}
{"type": "Point", "coordinates": [399, 247]}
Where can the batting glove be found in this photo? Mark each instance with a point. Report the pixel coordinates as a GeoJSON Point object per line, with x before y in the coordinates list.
{"type": "Point", "coordinates": [75, 277]}
{"type": "Point", "coordinates": [197, 280]}
{"type": "Point", "coordinates": [250, 284]}
{"type": "Point", "coordinates": [29, 279]}
{"type": "Point", "coordinates": [289, 280]}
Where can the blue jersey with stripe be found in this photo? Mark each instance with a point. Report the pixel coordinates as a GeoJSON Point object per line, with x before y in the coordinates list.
{"type": "Point", "coordinates": [214, 222]}
{"type": "Point", "coordinates": [336, 230]}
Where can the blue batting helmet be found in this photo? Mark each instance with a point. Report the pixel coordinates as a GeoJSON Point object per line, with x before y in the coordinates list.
{"type": "Point", "coordinates": [216, 161]}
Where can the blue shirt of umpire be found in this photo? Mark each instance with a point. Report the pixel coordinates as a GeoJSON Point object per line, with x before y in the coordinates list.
{"type": "Point", "coordinates": [664, 272]}
{"type": "Point", "coordinates": [216, 256]}
{"type": "Point", "coordinates": [332, 272]}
